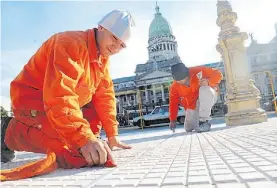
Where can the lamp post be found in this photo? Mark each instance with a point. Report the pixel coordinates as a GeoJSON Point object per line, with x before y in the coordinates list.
{"type": "Point", "coordinates": [272, 89]}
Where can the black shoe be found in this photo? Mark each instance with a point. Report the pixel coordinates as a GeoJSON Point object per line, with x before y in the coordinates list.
{"type": "Point", "coordinates": [204, 126]}
{"type": "Point", "coordinates": [6, 154]}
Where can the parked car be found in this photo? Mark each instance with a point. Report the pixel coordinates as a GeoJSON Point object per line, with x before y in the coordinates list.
{"type": "Point", "coordinates": [160, 114]}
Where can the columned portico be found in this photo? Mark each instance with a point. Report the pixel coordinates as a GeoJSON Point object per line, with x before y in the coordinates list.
{"type": "Point", "coordinates": [154, 93]}
{"type": "Point", "coordinates": [146, 95]}
{"type": "Point", "coordinates": [162, 89]}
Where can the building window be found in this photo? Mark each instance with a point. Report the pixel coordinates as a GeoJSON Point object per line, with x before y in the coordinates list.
{"type": "Point", "coordinates": [167, 46]}
{"type": "Point", "coordinates": [262, 58]}
{"type": "Point", "coordinates": [269, 89]}
{"type": "Point", "coordinates": [254, 60]}
{"type": "Point", "coordinates": [274, 56]}
{"type": "Point", "coordinates": [124, 98]}
{"type": "Point", "coordinates": [222, 97]}
{"type": "Point", "coordinates": [132, 97]}
{"type": "Point", "coordinates": [223, 85]}
{"type": "Point", "coordinates": [256, 76]}
{"type": "Point", "coordinates": [174, 48]}
{"type": "Point", "coordinates": [164, 46]}
{"type": "Point", "coordinates": [171, 46]}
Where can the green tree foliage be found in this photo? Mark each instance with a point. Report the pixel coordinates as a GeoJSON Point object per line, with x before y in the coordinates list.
{"type": "Point", "coordinates": [4, 113]}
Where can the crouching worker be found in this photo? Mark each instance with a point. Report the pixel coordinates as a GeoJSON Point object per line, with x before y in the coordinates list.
{"type": "Point", "coordinates": [64, 95]}
{"type": "Point", "coordinates": [195, 89]}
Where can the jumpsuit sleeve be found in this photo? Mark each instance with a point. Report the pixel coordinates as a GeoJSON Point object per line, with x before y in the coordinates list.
{"type": "Point", "coordinates": [173, 102]}
{"type": "Point", "coordinates": [64, 69]}
{"type": "Point", "coordinates": [213, 75]}
{"type": "Point", "coordinates": [105, 104]}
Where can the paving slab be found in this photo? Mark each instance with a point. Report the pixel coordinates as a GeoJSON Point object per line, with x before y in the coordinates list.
{"type": "Point", "coordinates": [235, 157]}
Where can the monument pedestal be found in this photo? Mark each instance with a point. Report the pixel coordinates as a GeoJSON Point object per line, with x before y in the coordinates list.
{"type": "Point", "coordinates": [241, 112]}
{"type": "Point", "coordinates": [242, 97]}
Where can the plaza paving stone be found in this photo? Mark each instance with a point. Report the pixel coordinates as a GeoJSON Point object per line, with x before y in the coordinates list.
{"type": "Point", "coordinates": [226, 157]}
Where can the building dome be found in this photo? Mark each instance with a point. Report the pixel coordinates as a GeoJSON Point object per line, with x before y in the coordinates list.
{"type": "Point", "coordinates": [159, 26]}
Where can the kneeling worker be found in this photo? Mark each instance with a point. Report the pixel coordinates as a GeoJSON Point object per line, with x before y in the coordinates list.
{"type": "Point", "coordinates": [195, 89]}
{"type": "Point", "coordinates": [63, 97]}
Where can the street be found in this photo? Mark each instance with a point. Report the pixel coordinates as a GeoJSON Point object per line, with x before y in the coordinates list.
{"type": "Point", "coordinates": [242, 156]}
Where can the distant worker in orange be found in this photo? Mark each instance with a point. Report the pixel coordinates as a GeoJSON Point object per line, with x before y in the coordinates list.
{"type": "Point", "coordinates": [64, 95]}
{"type": "Point", "coordinates": [196, 90]}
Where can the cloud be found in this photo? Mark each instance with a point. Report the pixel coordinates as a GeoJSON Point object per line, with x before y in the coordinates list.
{"type": "Point", "coordinates": [12, 62]}
{"type": "Point", "coordinates": [193, 24]}
{"type": "Point", "coordinates": [197, 35]}
{"type": "Point", "coordinates": [196, 39]}
{"type": "Point", "coordinates": [258, 17]}
{"type": "Point", "coordinates": [124, 63]}
{"type": "Point", "coordinates": [196, 31]}
{"type": "Point", "coordinates": [5, 102]}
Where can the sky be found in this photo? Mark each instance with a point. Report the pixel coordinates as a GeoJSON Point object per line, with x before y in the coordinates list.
{"type": "Point", "coordinates": [26, 25]}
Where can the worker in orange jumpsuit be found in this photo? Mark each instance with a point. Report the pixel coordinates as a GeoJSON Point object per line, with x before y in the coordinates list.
{"type": "Point", "coordinates": [196, 90]}
{"type": "Point", "coordinates": [64, 95]}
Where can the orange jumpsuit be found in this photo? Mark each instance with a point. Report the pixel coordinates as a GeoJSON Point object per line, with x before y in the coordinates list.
{"type": "Point", "coordinates": [187, 96]}
{"type": "Point", "coordinates": [63, 96]}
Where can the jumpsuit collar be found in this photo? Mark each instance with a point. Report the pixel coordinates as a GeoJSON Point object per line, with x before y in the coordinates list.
{"type": "Point", "coordinates": [93, 47]}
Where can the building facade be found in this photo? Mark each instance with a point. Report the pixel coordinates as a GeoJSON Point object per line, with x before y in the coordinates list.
{"type": "Point", "coordinates": [263, 62]}
{"type": "Point", "coordinates": [150, 84]}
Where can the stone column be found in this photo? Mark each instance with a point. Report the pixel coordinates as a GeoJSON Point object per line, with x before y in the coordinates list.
{"type": "Point", "coordinates": [127, 101]}
{"type": "Point", "coordinates": [242, 97]}
{"type": "Point", "coordinates": [138, 96]}
{"type": "Point", "coordinates": [162, 88]}
{"type": "Point", "coordinates": [119, 104]}
{"type": "Point", "coordinates": [135, 99]}
{"type": "Point", "coordinates": [146, 94]}
{"type": "Point", "coordinates": [154, 93]}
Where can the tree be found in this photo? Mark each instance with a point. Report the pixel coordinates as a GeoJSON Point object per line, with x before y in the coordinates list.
{"type": "Point", "coordinates": [4, 113]}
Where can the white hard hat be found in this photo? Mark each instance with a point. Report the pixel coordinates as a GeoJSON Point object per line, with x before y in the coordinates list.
{"type": "Point", "coordinates": [119, 23]}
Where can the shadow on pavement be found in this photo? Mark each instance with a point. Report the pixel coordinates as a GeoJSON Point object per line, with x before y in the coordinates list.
{"type": "Point", "coordinates": [69, 172]}
{"type": "Point", "coordinates": [153, 138]}
{"type": "Point", "coordinates": [15, 164]}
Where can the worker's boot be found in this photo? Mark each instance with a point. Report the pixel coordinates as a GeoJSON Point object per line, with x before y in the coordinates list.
{"type": "Point", "coordinates": [204, 126]}
{"type": "Point", "coordinates": [6, 154]}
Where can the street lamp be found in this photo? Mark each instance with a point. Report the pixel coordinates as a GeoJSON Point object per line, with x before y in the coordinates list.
{"type": "Point", "coordinates": [272, 88]}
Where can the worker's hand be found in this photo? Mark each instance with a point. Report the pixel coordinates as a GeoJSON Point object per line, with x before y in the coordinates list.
{"type": "Point", "coordinates": [115, 142]}
{"type": "Point", "coordinates": [172, 125]}
{"type": "Point", "coordinates": [96, 152]}
{"type": "Point", "coordinates": [204, 82]}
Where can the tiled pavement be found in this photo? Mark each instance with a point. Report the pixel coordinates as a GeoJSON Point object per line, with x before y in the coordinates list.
{"type": "Point", "coordinates": [231, 157]}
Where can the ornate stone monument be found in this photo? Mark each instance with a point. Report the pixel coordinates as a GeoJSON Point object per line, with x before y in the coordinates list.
{"type": "Point", "coordinates": [242, 97]}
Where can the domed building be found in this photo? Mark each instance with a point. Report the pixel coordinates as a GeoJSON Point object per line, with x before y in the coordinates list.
{"type": "Point", "coordinates": [153, 77]}
{"type": "Point", "coordinates": [161, 44]}
{"type": "Point", "coordinates": [149, 86]}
